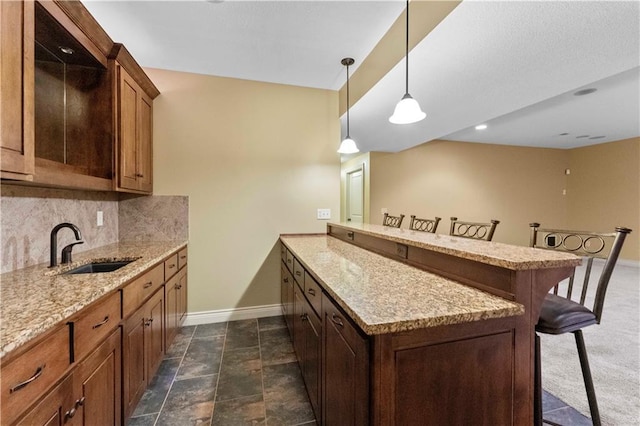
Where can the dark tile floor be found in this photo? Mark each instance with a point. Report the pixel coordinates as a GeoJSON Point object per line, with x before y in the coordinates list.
{"type": "Point", "coordinates": [245, 373]}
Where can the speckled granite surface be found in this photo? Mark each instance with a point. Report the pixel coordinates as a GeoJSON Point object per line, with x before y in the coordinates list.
{"type": "Point", "coordinates": [35, 299]}
{"type": "Point", "coordinates": [489, 252]}
{"type": "Point", "coordinates": [384, 296]}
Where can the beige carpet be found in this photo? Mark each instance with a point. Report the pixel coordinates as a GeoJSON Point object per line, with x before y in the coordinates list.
{"type": "Point", "coordinates": [614, 354]}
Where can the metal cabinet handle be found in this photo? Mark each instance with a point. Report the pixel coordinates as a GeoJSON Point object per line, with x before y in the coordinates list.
{"type": "Point", "coordinates": [37, 374]}
{"type": "Point", "coordinates": [286, 280]}
{"type": "Point", "coordinates": [303, 317]}
{"type": "Point", "coordinates": [350, 235]}
{"type": "Point", "coordinates": [148, 322]}
{"type": "Point", "coordinates": [183, 257]}
{"type": "Point", "coordinates": [298, 273]}
{"type": "Point", "coordinates": [101, 323]}
{"type": "Point", "coordinates": [147, 285]}
{"type": "Point", "coordinates": [173, 265]}
{"type": "Point", "coordinates": [80, 402]}
{"type": "Point", "coordinates": [69, 414]}
{"type": "Point", "coordinates": [139, 175]}
{"type": "Point", "coordinates": [311, 292]}
{"type": "Point", "coordinates": [336, 319]}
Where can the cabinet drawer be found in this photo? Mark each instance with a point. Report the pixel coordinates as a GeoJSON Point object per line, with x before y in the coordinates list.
{"type": "Point", "coordinates": [140, 289]}
{"type": "Point", "coordinates": [182, 258]}
{"type": "Point", "coordinates": [289, 260]}
{"type": "Point", "coordinates": [336, 318]}
{"type": "Point", "coordinates": [313, 292]}
{"type": "Point", "coordinates": [170, 267]}
{"type": "Point", "coordinates": [95, 325]}
{"type": "Point", "coordinates": [298, 272]}
{"type": "Point", "coordinates": [27, 377]}
{"type": "Point", "coordinates": [283, 253]}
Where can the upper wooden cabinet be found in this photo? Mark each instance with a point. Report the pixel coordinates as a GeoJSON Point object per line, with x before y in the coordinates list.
{"type": "Point", "coordinates": [16, 90]}
{"type": "Point", "coordinates": [75, 107]}
{"type": "Point", "coordinates": [134, 123]}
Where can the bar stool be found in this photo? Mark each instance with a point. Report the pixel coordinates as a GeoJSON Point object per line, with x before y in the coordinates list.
{"type": "Point", "coordinates": [474, 230]}
{"type": "Point", "coordinates": [560, 314]}
{"type": "Point", "coordinates": [424, 225]}
{"type": "Point", "coordinates": [392, 221]}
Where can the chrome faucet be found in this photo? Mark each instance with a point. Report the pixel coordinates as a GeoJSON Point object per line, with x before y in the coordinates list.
{"type": "Point", "coordinates": [66, 251]}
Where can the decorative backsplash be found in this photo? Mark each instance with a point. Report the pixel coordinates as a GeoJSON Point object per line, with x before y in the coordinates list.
{"type": "Point", "coordinates": [27, 215]}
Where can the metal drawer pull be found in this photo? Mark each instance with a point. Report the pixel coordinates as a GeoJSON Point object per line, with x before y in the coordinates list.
{"type": "Point", "coordinates": [336, 319]}
{"type": "Point", "coordinates": [303, 317]}
{"type": "Point", "coordinates": [178, 286]}
{"type": "Point", "coordinates": [286, 280]}
{"type": "Point", "coordinates": [350, 235]}
{"type": "Point", "coordinates": [80, 402]}
{"type": "Point", "coordinates": [183, 257]}
{"type": "Point", "coordinates": [147, 285]}
{"type": "Point", "coordinates": [69, 414]}
{"type": "Point", "coordinates": [311, 292]}
{"type": "Point", "coordinates": [173, 265]}
{"type": "Point", "coordinates": [139, 175]}
{"type": "Point", "coordinates": [37, 374]}
{"type": "Point", "coordinates": [298, 273]}
{"type": "Point", "coordinates": [103, 322]}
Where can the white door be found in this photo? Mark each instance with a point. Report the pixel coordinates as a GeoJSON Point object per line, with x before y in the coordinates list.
{"type": "Point", "coordinates": [355, 195]}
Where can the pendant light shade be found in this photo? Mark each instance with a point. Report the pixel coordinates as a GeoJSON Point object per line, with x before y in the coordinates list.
{"type": "Point", "coordinates": [348, 145]}
{"type": "Point", "coordinates": [407, 110]}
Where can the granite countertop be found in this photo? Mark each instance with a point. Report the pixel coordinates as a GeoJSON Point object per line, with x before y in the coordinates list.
{"type": "Point", "coordinates": [492, 253]}
{"type": "Point", "coordinates": [385, 296]}
{"type": "Point", "coordinates": [35, 299]}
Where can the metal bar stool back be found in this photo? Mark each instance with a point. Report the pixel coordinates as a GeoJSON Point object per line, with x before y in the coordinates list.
{"type": "Point", "coordinates": [474, 230]}
{"type": "Point", "coordinates": [392, 221]}
{"type": "Point", "coordinates": [424, 225]}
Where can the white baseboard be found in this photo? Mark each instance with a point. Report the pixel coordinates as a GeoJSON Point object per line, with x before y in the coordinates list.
{"type": "Point", "coordinates": [234, 314]}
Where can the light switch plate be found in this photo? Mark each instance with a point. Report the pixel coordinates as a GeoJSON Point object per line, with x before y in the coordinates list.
{"type": "Point", "coordinates": [324, 214]}
{"type": "Point", "coordinates": [100, 218]}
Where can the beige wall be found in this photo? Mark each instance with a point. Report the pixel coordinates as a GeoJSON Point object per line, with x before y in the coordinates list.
{"type": "Point", "coordinates": [346, 167]}
{"type": "Point", "coordinates": [475, 182]}
{"type": "Point", "coordinates": [604, 190]}
{"type": "Point", "coordinates": [256, 160]}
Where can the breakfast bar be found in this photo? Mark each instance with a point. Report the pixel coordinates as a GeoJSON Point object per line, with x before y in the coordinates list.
{"type": "Point", "coordinates": [392, 326]}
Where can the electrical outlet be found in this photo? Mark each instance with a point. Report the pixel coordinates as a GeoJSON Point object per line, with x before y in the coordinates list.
{"type": "Point", "coordinates": [100, 218]}
{"type": "Point", "coordinates": [324, 214]}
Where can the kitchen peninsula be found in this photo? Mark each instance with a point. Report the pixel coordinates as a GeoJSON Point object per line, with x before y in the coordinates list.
{"type": "Point", "coordinates": [401, 327]}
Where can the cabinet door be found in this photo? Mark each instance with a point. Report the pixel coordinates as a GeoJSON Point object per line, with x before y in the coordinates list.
{"type": "Point", "coordinates": [182, 296]}
{"type": "Point", "coordinates": [290, 302]}
{"type": "Point", "coordinates": [55, 409]}
{"type": "Point", "coordinates": [155, 332]}
{"type": "Point", "coordinates": [345, 386]}
{"type": "Point", "coordinates": [98, 384]}
{"type": "Point", "coordinates": [17, 147]}
{"type": "Point", "coordinates": [313, 358]}
{"type": "Point", "coordinates": [133, 353]}
{"type": "Point", "coordinates": [298, 326]}
{"type": "Point", "coordinates": [284, 291]}
{"type": "Point", "coordinates": [171, 302]}
{"type": "Point", "coordinates": [128, 94]}
{"type": "Point", "coordinates": [145, 143]}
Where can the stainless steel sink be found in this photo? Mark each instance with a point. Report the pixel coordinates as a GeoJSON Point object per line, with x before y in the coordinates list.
{"type": "Point", "coordinates": [98, 267]}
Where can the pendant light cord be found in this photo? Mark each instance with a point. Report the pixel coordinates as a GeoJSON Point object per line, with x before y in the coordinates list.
{"type": "Point", "coordinates": [348, 136]}
{"type": "Point", "coordinates": [406, 54]}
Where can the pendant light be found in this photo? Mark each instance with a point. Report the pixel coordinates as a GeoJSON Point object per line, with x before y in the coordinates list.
{"type": "Point", "coordinates": [348, 145]}
{"type": "Point", "coordinates": [407, 110]}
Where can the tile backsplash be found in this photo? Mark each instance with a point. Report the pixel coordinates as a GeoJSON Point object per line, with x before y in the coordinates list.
{"type": "Point", "coordinates": [27, 215]}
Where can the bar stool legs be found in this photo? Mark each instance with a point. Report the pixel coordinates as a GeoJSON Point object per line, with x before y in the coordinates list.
{"type": "Point", "coordinates": [588, 381]}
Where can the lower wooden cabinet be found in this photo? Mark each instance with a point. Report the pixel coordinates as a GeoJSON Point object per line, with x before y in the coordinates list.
{"type": "Point", "coordinates": [55, 409]}
{"type": "Point", "coordinates": [98, 384]}
{"type": "Point", "coordinates": [176, 304]}
{"type": "Point", "coordinates": [143, 348]}
{"type": "Point", "coordinates": [287, 297]}
{"type": "Point", "coordinates": [346, 370]}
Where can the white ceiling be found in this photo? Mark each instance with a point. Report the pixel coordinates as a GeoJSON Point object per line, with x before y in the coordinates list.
{"type": "Point", "coordinates": [511, 64]}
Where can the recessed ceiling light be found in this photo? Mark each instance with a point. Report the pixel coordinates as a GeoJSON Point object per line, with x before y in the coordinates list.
{"type": "Point", "coordinates": [582, 136]}
{"type": "Point", "coordinates": [66, 50]}
{"type": "Point", "coordinates": [584, 92]}
{"type": "Point", "coordinates": [481, 126]}
{"type": "Point", "coordinates": [597, 137]}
